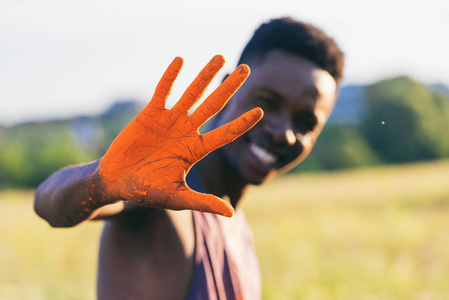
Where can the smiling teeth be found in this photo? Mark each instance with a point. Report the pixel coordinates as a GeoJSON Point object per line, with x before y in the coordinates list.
{"type": "Point", "coordinates": [262, 154]}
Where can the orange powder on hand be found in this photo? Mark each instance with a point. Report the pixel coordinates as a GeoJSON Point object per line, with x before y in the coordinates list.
{"type": "Point", "coordinates": [148, 161]}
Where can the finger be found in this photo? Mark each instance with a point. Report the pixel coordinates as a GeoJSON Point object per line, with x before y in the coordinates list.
{"type": "Point", "coordinates": [206, 203]}
{"type": "Point", "coordinates": [166, 83]}
{"type": "Point", "coordinates": [232, 130]}
{"type": "Point", "coordinates": [218, 98]}
{"type": "Point", "coordinates": [199, 85]}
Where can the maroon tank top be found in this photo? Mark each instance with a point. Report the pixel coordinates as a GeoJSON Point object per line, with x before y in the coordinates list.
{"type": "Point", "coordinates": [226, 265]}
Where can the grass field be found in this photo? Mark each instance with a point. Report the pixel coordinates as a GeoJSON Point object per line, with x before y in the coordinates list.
{"type": "Point", "coordinates": [379, 233]}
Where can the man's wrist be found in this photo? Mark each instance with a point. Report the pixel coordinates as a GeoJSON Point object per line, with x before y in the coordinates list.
{"type": "Point", "coordinates": [99, 192]}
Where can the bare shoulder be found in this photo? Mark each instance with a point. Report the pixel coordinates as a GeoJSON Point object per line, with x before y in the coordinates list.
{"type": "Point", "coordinates": [146, 254]}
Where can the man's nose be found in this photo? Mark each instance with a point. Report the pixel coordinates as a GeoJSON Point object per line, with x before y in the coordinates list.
{"type": "Point", "coordinates": [282, 132]}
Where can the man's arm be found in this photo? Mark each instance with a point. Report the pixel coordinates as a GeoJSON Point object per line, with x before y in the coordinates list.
{"type": "Point", "coordinates": [147, 163]}
{"type": "Point", "coordinates": [62, 198]}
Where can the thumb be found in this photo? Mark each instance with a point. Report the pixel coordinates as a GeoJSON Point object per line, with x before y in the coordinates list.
{"type": "Point", "coordinates": [206, 203]}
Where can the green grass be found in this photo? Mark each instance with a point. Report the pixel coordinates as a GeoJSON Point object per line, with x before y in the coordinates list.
{"type": "Point", "coordinates": [379, 233]}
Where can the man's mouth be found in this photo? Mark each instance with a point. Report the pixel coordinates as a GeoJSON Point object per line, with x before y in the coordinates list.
{"type": "Point", "coordinates": [263, 154]}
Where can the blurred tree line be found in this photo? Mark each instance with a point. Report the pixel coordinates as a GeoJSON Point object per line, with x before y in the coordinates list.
{"type": "Point", "coordinates": [399, 120]}
{"type": "Point", "coordinates": [30, 152]}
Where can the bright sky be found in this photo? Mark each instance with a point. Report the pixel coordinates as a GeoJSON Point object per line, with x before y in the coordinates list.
{"type": "Point", "coordinates": [61, 58]}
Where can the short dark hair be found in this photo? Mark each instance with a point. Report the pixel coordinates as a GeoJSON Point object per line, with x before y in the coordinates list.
{"type": "Point", "coordinates": [297, 38]}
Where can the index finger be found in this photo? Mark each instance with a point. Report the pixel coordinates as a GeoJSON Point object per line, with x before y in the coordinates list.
{"type": "Point", "coordinates": [218, 98]}
{"type": "Point", "coordinates": [228, 132]}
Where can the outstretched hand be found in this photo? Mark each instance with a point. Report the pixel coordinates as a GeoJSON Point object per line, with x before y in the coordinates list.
{"type": "Point", "coordinates": [148, 161]}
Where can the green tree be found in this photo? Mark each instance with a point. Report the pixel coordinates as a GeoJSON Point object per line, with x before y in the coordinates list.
{"type": "Point", "coordinates": [405, 121]}
{"type": "Point", "coordinates": [31, 152]}
{"type": "Point", "coordinates": [340, 147]}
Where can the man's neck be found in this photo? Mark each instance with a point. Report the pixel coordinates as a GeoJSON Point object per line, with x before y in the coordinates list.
{"type": "Point", "coordinates": [219, 179]}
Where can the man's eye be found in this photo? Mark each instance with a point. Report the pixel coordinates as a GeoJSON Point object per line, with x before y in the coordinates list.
{"type": "Point", "coordinates": [267, 103]}
{"type": "Point", "coordinates": [305, 124]}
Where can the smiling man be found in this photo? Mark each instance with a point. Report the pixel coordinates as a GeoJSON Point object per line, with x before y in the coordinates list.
{"type": "Point", "coordinates": [164, 237]}
{"type": "Point", "coordinates": [297, 97]}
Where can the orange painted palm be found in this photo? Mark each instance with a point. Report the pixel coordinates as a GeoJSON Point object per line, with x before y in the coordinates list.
{"type": "Point", "coordinates": [148, 161]}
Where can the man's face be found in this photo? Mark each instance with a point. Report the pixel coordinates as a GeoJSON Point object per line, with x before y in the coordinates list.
{"type": "Point", "coordinates": [297, 98]}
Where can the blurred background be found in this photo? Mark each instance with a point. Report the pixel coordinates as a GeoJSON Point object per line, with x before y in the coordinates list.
{"type": "Point", "coordinates": [363, 217]}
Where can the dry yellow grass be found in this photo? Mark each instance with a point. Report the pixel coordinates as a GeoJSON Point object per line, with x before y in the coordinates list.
{"type": "Point", "coordinates": [379, 233]}
{"type": "Point", "coordinates": [40, 262]}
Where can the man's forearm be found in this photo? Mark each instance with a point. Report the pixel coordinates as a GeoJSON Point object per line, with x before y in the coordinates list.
{"type": "Point", "coordinates": [70, 196]}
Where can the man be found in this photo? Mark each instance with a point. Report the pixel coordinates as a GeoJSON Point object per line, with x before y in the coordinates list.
{"type": "Point", "coordinates": [166, 241]}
